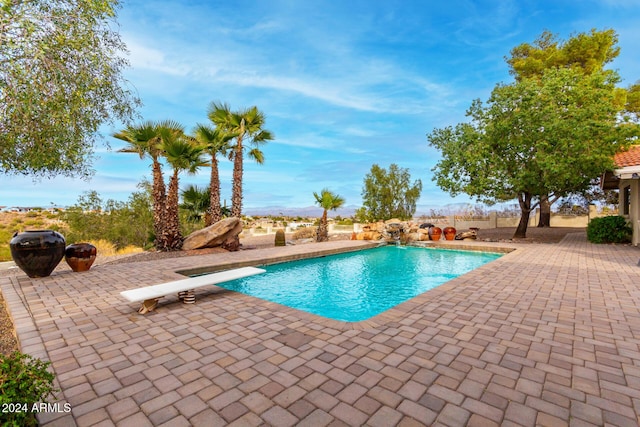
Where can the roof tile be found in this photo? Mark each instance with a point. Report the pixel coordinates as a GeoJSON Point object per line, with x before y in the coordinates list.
{"type": "Point", "coordinates": [630, 157]}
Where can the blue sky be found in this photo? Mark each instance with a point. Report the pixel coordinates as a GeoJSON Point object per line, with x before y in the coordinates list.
{"type": "Point", "coordinates": [343, 84]}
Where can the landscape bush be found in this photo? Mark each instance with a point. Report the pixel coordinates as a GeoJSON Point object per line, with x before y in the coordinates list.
{"type": "Point", "coordinates": [609, 229]}
{"type": "Point", "coordinates": [305, 233]}
{"type": "Point", "coordinates": [24, 381]}
{"type": "Point", "coordinates": [121, 223]}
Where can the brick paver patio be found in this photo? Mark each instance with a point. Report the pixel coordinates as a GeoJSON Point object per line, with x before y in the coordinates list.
{"type": "Point", "coordinates": [546, 335]}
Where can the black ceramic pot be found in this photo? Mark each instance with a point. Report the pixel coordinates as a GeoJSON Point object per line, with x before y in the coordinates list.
{"type": "Point", "coordinates": [37, 252]}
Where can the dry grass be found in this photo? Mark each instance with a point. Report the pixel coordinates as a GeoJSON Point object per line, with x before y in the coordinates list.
{"type": "Point", "coordinates": [108, 249]}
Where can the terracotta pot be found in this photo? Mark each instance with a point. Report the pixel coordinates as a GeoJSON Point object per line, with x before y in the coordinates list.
{"type": "Point", "coordinates": [435, 233]}
{"type": "Point", "coordinates": [449, 233]}
{"type": "Point", "coordinates": [80, 256]}
{"type": "Point", "coordinates": [37, 252]}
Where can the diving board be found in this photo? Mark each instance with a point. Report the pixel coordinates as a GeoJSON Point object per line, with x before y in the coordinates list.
{"type": "Point", "coordinates": [149, 295]}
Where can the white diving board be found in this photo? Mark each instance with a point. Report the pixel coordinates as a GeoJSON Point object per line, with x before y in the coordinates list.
{"type": "Point", "coordinates": [150, 294]}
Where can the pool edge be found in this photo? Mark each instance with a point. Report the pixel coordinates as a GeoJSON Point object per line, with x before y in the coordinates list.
{"type": "Point", "coordinates": [393, 314]}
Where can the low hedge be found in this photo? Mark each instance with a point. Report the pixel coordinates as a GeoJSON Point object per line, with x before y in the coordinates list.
{"type": "Point", "coordinates": [609, 229]}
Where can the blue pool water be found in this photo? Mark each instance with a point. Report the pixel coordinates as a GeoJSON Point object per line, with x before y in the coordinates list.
{"type": "Point", "coordinates": [359, 285]}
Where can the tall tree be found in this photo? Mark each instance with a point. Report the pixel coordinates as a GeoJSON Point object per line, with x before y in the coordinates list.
{"type": "Point", "coordinates": [144, 139]}
{"type": "Point", "coordinates": [550, 135]}
{"type": "Point", "coordinates": [389, 194]}
{"type": "Point", "coordinates": [60, 80]}
{"type": "Point", "coordinates": [633, 99]}
{"type": "Point", "coordinates": [327, 201]}
{"type": "Point", "coordinates": [183, 154]}
{"type": "Point", "coordinates": [215, 142]}
{"type": "Point", "coordinates": [587, 52]}
{"type": "Point", "coordinates": [248, 125]}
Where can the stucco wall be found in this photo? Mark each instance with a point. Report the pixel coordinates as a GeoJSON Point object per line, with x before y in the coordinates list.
{"type": "Point", "coordinates": [634, 209]}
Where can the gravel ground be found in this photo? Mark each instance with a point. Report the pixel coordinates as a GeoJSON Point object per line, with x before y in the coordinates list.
{"type": "Point", "coordinates": [534, 235]}
{"type": "Point", "coordinates": [8, 341]}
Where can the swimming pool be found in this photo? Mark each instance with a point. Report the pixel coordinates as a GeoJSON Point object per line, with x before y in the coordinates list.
{"type": "Point", "coordinates": [358, 285]}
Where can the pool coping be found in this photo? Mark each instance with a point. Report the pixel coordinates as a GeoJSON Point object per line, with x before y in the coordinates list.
{"type": "Point", "coordinates": [392, 314]}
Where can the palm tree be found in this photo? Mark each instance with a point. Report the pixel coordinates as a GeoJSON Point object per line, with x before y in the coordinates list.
{"type": "Point", "coordinates": [144, 140]}
{"type": "Point", "coordinates": [195, 201]}
{"type": "Point", "coordinates": [215, 142]}
{"type": "Point", "coordinates": [328, 201]}
{"type": "Point", "coordinates": [183, 154]}
{"type": "Point", "coordinates": [247, 125]}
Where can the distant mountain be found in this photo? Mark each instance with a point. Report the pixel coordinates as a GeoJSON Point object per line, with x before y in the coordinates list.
{"type": "Point", "coordinates": [308, 211]}
{"type": "Point", "coordinates": [346, 211]}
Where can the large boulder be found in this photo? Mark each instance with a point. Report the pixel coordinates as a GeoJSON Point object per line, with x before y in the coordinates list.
{"type": "Point", "coordinates": [221, 232]}
{"type": "Point", "coordinates": [368, 235]}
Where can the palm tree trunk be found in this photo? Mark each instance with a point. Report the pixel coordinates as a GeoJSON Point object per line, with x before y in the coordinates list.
{"type": "Point", "coordinates": [215, 213]}
{"type": "Point", "coordinates": [173, 235]}
{"type": "Point", "coordinates": [323, 231]}
{"type": "Point", "coordinates": [159, 203]}
{"type": "Point", "coordinates": [236, 194]}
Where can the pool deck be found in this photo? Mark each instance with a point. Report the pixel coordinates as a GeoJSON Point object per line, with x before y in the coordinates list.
{"type": "Point", "coordinates": [548, 334]}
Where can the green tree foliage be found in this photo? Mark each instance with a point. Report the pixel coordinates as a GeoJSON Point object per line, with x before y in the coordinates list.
{"type": "Point", "coordinates": [121, 223]}
{"type": "Point", "coordinates": [328, 201]}
{"type": "Point", "coordinates": [588, 52]}
{"type": "Point", "coordinates": [24, 381]}
{"type": "Point", "coordinates": [388, 194]}
{"type": "Point", "coordinates": [633, 98]}
{"type": "Point", "coordinates": [60, 80]}
{"type": "Point", "coordinates": [195, 202]}
{"type": "Point", "coordinates": [544, 136]}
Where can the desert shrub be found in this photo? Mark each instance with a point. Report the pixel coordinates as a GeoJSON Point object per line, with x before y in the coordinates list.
{"type": "Point", "coordinates": [33, 224]}
{"type": "Point", "coordinates": [305, 233]}
{"type": "Point", "coordinates": [121, 223]}
{"type": "Point", "coordinates": [24, 381]}
{"type": "Point", "coordinates": [344, 221]}
{"type": "Point", "coordinates": [609, 229]}
{"type": "Point", "coordinates": [188, 223]}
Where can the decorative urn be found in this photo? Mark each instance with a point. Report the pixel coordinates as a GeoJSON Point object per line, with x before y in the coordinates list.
{"type": "Point", "coordinates": [435, 233]}
{"type": "Point", "coordinates": [449, 233]}
{"type": "Point", "coordinates": [80, 256]}
{"type": "Point", "coordinates": [37, 252]}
